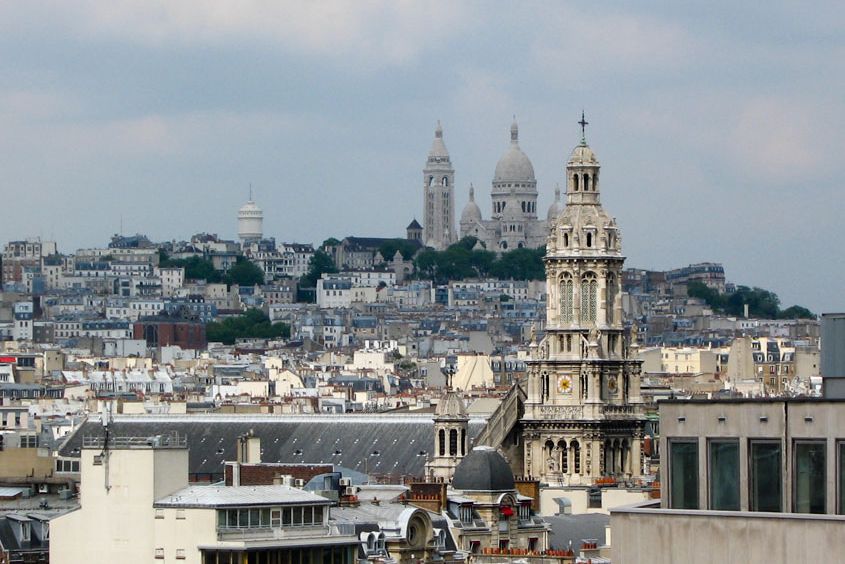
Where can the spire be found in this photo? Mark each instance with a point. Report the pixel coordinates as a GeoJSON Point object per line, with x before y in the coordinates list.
{"type": "Point", "coordinates": [250, 191]}
{"type": "Point", "coordinates": [583, 123]}
{"type": "Point", "coordinates": [514, 131]}
{"type": "Point", "coordinates": [438, 131]}
{"type": "Point", "coordinates": [557, 192]}
{"type": "Point", "coordinates": [471, 192]}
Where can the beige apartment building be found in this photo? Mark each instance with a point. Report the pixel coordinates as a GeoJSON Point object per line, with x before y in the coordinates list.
{"type": "Point", "coordinates": [750, 480]}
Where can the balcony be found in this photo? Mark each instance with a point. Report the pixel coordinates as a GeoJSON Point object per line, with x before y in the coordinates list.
{"type": "Point", "coordinates": [276, 533]}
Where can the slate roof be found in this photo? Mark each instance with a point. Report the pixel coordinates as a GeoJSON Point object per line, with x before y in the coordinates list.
{"type": "Point", "coordinates": [575, 528]}
{"type": "Point", "coordinates": [239, 496]}
{"type": "Point", "coordinates": [483, 469]}
{"type": "Point", "coordinates": [395, 444]}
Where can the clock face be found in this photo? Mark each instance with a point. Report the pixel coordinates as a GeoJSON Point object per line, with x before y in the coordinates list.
{"type": "Point", "coordinates": [564, 385]}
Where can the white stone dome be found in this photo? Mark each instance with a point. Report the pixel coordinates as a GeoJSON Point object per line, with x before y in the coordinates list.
{"type": "Point", "coordinates": [249, 208]}
{"type": "Point", "coordinates": [472, 212]}
{"type": "Point", "coordinates": [583, 155]}
{"type": "Point", "coordinates": [514, 166]}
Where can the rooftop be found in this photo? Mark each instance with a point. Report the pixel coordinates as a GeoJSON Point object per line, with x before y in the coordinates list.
{"type": "Point", "coordinates": [239, 496]}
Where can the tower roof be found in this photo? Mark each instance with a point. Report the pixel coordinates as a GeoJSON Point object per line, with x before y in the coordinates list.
{"type": "Point", "coordinates": [414, 225]}
{"type": "Point", "coordinates": [451, 406]}
{"type": "Point", "coordinates": [438, 147]}
{"type": "Point", "coordinates": [514, 164]}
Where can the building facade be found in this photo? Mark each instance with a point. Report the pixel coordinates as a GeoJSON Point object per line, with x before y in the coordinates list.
{"type": "Point", "coordinates": [583, 413]}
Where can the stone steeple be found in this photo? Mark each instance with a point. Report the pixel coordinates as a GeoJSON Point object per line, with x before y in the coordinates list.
{"type": "Point", "coordinates": [438, 195]}
{"type": "Point", "coordinates": [583, 417]}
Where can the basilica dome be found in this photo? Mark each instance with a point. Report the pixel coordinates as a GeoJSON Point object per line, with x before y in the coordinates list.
{"type": "Point", "coordinates": [514, 166]}
{"type": "Point", "coordinates": [555, 208]}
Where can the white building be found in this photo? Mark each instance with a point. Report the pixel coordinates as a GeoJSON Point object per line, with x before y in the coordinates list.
{"type": "Point", "coordinates": [250, 222]}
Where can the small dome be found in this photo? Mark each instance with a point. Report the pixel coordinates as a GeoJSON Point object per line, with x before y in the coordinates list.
{"type": "Point", "coordinates": [250, 207]}
{"type": "Point", "coordinates": [514, 164]}
{"type": "Point", "coordinates": [472, 212]}
{"type": "Point", "coordinates": [555, 208]}
{"type": "Point", "coordinates": [583, 155]}
{"type": "Point", "coordinates": [483, 469]}
{"type": "Point", "coordinates": [451, 406]}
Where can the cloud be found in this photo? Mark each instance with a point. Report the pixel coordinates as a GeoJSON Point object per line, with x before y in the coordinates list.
{"type": "Point", "coordinates": [380, 32]}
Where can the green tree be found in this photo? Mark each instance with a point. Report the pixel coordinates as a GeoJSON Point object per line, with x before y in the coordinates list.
{"type": "Point", "coordinates": [797, 312]}
{"type": "Point", "coordinates": [404, 246]}
{"type": "Point", "coordinates": [244, 273]}
{"type": "Point", "coordinates": [320, 263]}
{"type": "Point", "coordinates": [196, 268]}
{"type": "Point", "coordinates": [253, 324]}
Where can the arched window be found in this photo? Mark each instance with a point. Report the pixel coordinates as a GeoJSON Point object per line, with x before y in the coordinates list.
{"type": "Point", "coordinates": [611, 296]}
{"type": "Point", "coordinates": [523, 207]}
{"type": "Point", "coordinates": [430, 180]}
{"type": "Point", "coordinates": [566, 239]}
{"type": "Point", "coordinates": [576, 457]}
{"type": "Point", "coordinates": [463, 442]}
{"type": "Point", "coordinates": [575, 182]}
{"type": "Point", "coordinates": [564, 457]}
{"type": "Point", "coordinates": [453, 442]}
{"type": "Point", "coordinates": [589, 289]}
{"type": "Point", "coordinates": [445, 181]}
{"type": "Point", "coordinates": [589, 239]}
{"type": "Point", "coordinates": [569, 343]}
{"type": "Point", "coordinates": [586, 183]}
{"type": "Point", "coordinates": [441, 435]}
{"type": "Point", "coordinates": [567, 299]}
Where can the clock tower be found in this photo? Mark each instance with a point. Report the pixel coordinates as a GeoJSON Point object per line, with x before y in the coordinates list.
{"type": "Point", "coordinates": [583, 416]}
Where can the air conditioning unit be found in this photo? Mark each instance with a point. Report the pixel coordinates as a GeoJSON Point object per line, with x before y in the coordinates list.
{"type": "Point", "coordinates": [349, 491]}
{"type": "Point", "coordinates": [345, 482]}
{"type": "Point", "coordinates": [299, 483]}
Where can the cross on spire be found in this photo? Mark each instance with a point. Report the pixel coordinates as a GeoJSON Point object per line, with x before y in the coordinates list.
{"type": "Point", "coordinates": [583, 123]}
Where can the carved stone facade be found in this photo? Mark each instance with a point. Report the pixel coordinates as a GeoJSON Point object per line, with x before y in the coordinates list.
{"type": "Point", "coordinates": [583, 414]}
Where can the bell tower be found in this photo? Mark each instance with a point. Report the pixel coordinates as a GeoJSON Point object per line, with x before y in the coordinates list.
{"type": "Point", "coordinates": [450, 437]}
{"type": "Point", "coordinates": [438, 195]}
{"type": "Point", "coordinates": [583, 414]}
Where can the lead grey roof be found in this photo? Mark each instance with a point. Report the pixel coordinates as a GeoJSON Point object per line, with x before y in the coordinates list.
{"type": "Point", "coordinates": [239, 496]}
{"type": "Point", "coordinates": [483, 469]}
{"type": "Point", "coordinates": [378, 444]}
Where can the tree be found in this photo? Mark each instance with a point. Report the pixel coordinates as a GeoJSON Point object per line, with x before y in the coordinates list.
{"type": "Point", "coordinates": [253, 324]}
{"type": "Point", "coordinates": [196, 268]}
{"type": "Point", "coordinates": [321, 263]}
{"type": "Point", "coordinates": [797, 312]}
{"type": "Point", "coordinates": [244, 273]}
{"type": "Point", "coordinates": [404, 246]}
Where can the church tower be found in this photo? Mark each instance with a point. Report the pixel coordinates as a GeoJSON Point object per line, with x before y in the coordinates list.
{"type": "Point", "coordinates": [450, 438]}
{"type": "Point", "coordinates": [583, 413]}
{"type": "Point", "coordinates": [439, 195]}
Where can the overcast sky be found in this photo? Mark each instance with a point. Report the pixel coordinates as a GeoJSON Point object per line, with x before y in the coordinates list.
{"type": "Point", "coordinates": [719, 125]}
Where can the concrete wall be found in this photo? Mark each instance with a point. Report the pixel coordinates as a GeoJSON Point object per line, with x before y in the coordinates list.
{"type": "Point", "coordinates": [744, 420]}
{"type": "Point", "coordinates": [579, 497]}
{"type": "Point", "coordinates": [665, 536]}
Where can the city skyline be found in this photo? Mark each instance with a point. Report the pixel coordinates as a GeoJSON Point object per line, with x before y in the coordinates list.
{"type": "Point", "coordinates": [717, 137]}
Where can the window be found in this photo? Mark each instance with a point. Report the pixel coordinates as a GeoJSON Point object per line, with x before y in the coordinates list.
{"type": "Point", "coordinates": [765, 476]}
{"type": "Point", "coordinates": [809, 488]}
{"type": "Point", "coordinates": [180, 513]}
{"type": "Point", "coordinates": [723, 475]}
{"type": "Point", "coordinates": [840, 470]}
{"type": "Point", "coordinates": [441, 435]}
{"type": "Point", "coordinates": [567, 290]}
{"type": "Point", "coordinates": [683, 474]}
{"type": "Point", "coordinates": [159, 514]}
{"type": "Point", "coordinates": [589, 288]}
{"type": "Point", "coordinates": [453, 442]}
{"type": "Point", "coordinates": [159, 554]}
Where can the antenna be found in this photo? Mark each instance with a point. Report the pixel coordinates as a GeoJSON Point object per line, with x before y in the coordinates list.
{"type": "Point", "coordinates": [250, 191]}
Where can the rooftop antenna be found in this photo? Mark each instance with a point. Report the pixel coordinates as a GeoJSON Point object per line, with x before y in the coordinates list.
{"type": "Point", "coordinates": [250, 191]}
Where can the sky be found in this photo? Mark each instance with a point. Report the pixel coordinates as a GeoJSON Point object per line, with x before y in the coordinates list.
{"type": "Point", "coordinates": [720, 126]}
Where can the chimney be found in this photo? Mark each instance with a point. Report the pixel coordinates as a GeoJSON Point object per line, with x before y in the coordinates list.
{"type": "Point", "coordinates": [249, 449]}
